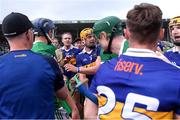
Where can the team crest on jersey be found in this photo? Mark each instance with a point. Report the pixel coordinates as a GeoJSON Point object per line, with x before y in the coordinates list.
{"type": "Point", "coordinates": [85, 59]}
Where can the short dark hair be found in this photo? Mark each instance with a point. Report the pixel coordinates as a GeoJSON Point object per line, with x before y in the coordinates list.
{"type": "Point", "coordinates": [144, 22]}
{"type": "Point", "coordinates": [66, 33]}
{"type": "Point", "coordinates": [76, 40]}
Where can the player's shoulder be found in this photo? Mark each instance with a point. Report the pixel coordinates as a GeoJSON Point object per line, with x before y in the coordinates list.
{"type": "Point", "coordinates": [47, 60]}
{"type": "Point", "coordinates": [80, 56]}
{"type": "Point", "coordinates": [109, 64]}
{"type": "Point", "coordinates": [98, 47]}
{"type": "Point", "coordinates": [4, 57]}
{"type": "Point", "coordinates": [75, 49]}
{"type": "Point", "coordinates": [40, 58]}
{"type": "Point", "coordinates": [81, 53]}
{"type": "Point", "coordinates": [170, 51]}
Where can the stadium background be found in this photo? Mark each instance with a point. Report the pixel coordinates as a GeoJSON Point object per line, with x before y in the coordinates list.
{"type": "Point", "coordinates": [74, 27]}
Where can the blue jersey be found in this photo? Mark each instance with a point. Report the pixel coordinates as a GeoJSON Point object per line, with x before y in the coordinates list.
{"type": "Point", "coordinates": [70, 55]}
{"type": "Point", "coordinates": [87, 59]}
{"type": "Point", "coordinates": [173, 56]}
{"type": "Point", "coordinates": [137, 87]}
{"type": "Point", "coordinates": [28, 82]}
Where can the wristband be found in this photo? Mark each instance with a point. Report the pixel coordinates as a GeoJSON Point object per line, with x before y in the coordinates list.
{"type": "Point", "coordinates": [78, 69]}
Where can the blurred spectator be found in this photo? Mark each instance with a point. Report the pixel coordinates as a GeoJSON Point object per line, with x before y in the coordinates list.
{"type": "Point", "coordinates": [55, 42]}
{"type": "Point", "coordinates": [69, 53]}
{"type": "Point", "coordinates": [78, 43]}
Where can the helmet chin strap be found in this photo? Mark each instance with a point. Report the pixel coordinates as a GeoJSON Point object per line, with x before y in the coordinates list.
{"type": "Point", "coordinates": [48, 38]}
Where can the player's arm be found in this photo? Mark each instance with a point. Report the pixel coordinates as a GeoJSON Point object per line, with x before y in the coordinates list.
{"type": "Point", "coordinates": [84, 70]}
{"type": "Point", "coordinates": [93, 69]}
{"type": "Point", "coordinates": [61, 90]}
{"type": "Point", "coordinates": [82, 78]}
{"type": "Point", "coordinates": [64, 94]}
{"type": "Point", "coordinates": [177, 116]}
{"type": "Point", "coordinates": [91, 105]}
{"type": "Point", "coordinates": [90, 109]}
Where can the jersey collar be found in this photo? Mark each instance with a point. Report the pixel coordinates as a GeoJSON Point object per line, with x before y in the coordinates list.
{"type": "Point", "coordinates": [71, 47]}
{"type": "Point", "coordinates": [145, 53]}
{"type": "Point", "coordinates": [122, 47]}
{"type": "Point", "coordinates": [88, 52]}
{"type": "Point", "coordinates": [175, 49]}
{"type": "Point", "coordinates": [38, 41]}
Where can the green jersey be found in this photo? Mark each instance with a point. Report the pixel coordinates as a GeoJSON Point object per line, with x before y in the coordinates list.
{"type": "Point", "coordinates": [124, 46]}
{"type": "Point", "coordinates": [43, 48]}
{"type": "Point", "coordinates": [105, 57]}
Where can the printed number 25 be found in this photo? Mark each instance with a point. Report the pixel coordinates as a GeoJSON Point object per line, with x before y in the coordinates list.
{"type": "Point", "coordinates": [128, 110]}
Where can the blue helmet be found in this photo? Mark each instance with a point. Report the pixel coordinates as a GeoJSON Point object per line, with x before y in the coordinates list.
{"type": "Point", "coordinates": [42, 26]}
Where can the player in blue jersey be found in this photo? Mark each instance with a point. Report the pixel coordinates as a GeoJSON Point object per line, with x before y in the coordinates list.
{"type": "Point", "coordinates": [102, 29]}
{"type": "Point", "coordinates": [28, 81]}
{"type": "Point", "coordinates": [89, 57]}
{"type": "Point", "coordinates": [69, 53]}
{"type": "Point", "coordinates": [78, 43]}
{"type": "Point", "coordinates": [90, 70]}
{"type": "Point", "coordinates": [131, 86]}
{"type": "Point", "coordinates": [88, 60]}
{"type": "Point", "coordinates": [174, 54]}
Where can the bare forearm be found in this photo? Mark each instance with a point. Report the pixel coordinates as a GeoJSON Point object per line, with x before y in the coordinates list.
{"type": "Point", "coordinates": [70, 101]}
{"type": "Point", "coordinates": [90, 110]}
{"type": "Point", "coordinates": [89, 71]}
{"type": "Point", "coordinates": [64, 94]}
{"type": "Point", "coordinates": [177, 117]}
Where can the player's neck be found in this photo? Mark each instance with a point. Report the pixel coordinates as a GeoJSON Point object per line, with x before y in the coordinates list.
{"type": "Point", "coordinates": [152, 47]}
{"type": "Point", "coordinates": [116, 46]}
{"type": "Point", "coordinates": [19, 45]}
{"type": "Point", "coordinates": [177, 48]}
{"type": "Point", "coordinates": [67, 47]}
{"type": "Point", "coordinates": [41, 39]}
{"type": "Point", "coordinates": [87, 49]}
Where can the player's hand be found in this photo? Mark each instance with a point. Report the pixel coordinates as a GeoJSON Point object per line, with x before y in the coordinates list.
{"type": "Point", "coordinates": [70, 67]}
{"type": "Point", "coordinates": [65, 60]}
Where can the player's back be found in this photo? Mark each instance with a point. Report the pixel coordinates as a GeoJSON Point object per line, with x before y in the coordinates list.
{"type": "Point", "coordinates": [137, 88]}
{"type": "Point", "coordinates": [26, 85]}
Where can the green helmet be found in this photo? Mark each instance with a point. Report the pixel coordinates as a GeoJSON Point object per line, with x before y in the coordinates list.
{"type": "Point", "coordinates": [108, 25]}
